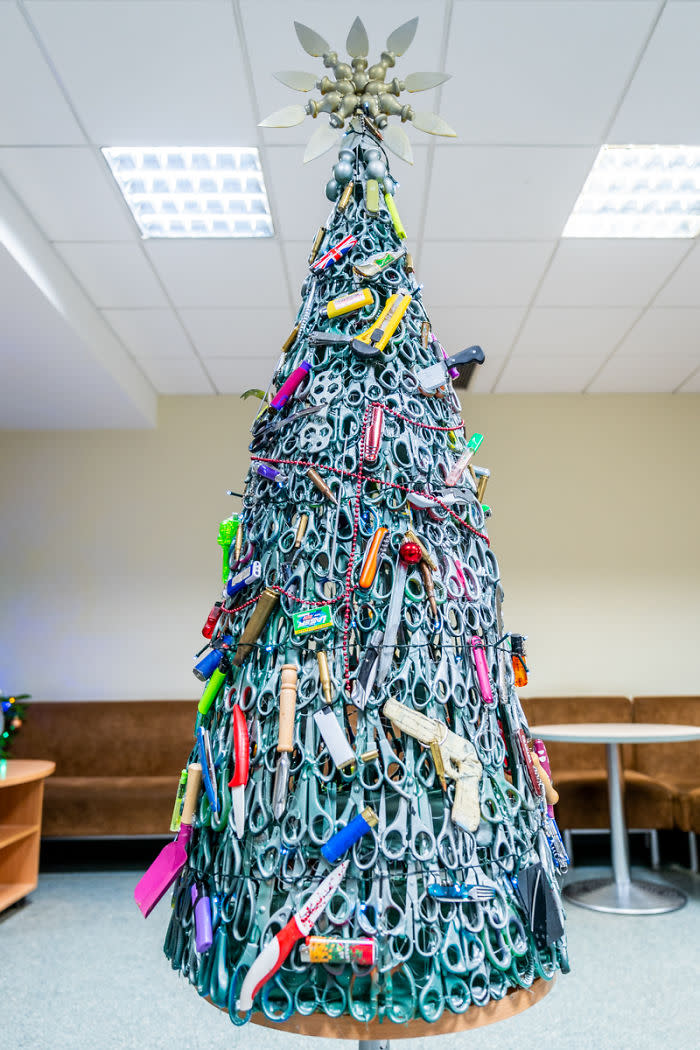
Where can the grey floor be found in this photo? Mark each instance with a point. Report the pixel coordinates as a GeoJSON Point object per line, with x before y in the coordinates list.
{"type": "Point", "coordinates": [80, 969]}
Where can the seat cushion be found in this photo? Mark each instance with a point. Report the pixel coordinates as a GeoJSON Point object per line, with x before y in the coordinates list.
{"type": "Point", "coordinates": [649, 802]}
{"type": "Point", "coordinates": [75, 806]}
{"type": "Point", "coordinates": [687, 810]}
{"type": "Point", "coordinates": [583, 800]}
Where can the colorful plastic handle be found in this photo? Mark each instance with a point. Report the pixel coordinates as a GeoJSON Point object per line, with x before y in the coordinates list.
{"type": "Point", "coordinates": [268, 963]}
{"type": "Point", "coordinates": [370, 563]}
{"type": "Point", "coordinates": [482, 671]}
{"type": "Point", "coordinates": [374, 436]}
{"type": "Point", "coordinates": [346, 837]}
{"type": "Point", "coordinates": [212, 691]}
{"type": "Point", "coordinates": [203, 936]}
{"type": "Point", "coordinates": [241, 749]}
{"type": "Point", "coordinates": [290, 385]}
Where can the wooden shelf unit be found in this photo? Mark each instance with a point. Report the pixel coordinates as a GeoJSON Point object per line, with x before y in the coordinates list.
{"type": "Point", "coordinates": [21, 800]}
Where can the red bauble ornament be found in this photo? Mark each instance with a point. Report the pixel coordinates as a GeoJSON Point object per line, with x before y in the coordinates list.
{"type": "Point", "coordinates": [410, 553]}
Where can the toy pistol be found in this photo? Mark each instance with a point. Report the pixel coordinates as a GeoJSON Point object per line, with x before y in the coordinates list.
{"type": "Point", "coordinates": [454, 757]}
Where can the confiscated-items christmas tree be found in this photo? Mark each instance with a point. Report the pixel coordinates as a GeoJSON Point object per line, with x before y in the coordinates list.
{"type": "Point", "coordinates": [374, 836]}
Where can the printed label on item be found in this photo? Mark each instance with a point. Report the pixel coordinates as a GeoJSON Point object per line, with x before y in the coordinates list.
{"type": "Point", "coordinates": [314, 620]}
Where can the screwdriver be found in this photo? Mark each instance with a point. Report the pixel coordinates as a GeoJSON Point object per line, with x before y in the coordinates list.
{"type": "Point", "coordinates": [285, 737]}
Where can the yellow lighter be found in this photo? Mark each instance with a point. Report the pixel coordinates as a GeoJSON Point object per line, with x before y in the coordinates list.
{"type": "Point", "coordinates": [345, 304]}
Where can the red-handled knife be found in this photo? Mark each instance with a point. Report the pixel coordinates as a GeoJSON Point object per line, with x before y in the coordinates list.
{"type": "Point", "coordinates": [278, 949]}
{"type": "Point", "coordinates": [241, 757]}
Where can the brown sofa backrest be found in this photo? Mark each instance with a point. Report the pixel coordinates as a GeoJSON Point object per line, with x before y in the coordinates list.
{"type": "Point", "coordinates": [565, 757]}
{"type": "Point", "coordinates": [681, 760]}
{"type": "Point", "coordinates": [105, 738]}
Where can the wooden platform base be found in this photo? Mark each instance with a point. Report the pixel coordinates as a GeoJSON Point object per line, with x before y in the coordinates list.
{"type": "Point", "coordinates": [320, 1025]}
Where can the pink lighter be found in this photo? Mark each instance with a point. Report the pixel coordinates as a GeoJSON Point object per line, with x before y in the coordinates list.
{"type": "Point", "coordinates": [482, 671]}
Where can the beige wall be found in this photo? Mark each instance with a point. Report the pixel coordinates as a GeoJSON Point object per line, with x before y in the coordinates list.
{"type": "Point", "coordinates": [110, 562]}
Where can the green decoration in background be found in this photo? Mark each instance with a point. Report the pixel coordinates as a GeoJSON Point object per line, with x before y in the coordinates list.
{"type": "Point", "coordinates": [12, 715]}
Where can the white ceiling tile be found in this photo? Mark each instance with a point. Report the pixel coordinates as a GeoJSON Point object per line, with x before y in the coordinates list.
{"type": "Point", "coordinates": [113, 275]}
{"type": "Point", "coordinates": [573, 332]}
{"type": "Point", "coordinates": [692, 384]}
{"type": "Point", "coordinates": [298, 190]}
{"type": "Point", "coordinates": [492, 328]}
{"type": "Point", "coordinates": [540, 72]}
{"type": "Point", "coordinates": [602, 272]}
{"type": "Point", "coordinates": [663, 100]}
{"type": "Point", "coordinates": [505, 192]}
{"type": "Point", "coordinates": [238, 333]}
{"type": "Point", "coordinates": [236, 375]}
{"type": "Point", "coordinates": [177, 375]}
{"type": "Point", "coordinates": [52, 378]}
{"type": "Point", "coordinates": [68, 193]}
{"type": "Point", "coordinates": [548, 375]}
{"type": "Point", "coordinates": [280, 49]}
{"type": "Point", "coordinates": [664, 333]}
{"type": "Point", "coordinates": [296, 256]}
{"type": "Point", "coordinates": [684, 287]}
{"type": "Point", "coordinates": [479, 273]}
{"type": "Point", "coordinates": [34, 111]}
{"type": "Point", "coordinates": [152, 73]}
{"type": "Point", "coordinates": [220, 273]}
{"type": "Point", "coordinates": [644, 375]}
{"type": "Point", "coordinates": [150, 333]}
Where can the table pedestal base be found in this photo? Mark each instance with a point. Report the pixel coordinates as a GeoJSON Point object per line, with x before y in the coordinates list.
{"type": "Point", "coordinates": [636, 897]}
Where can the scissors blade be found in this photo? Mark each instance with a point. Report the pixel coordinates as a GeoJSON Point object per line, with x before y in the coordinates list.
{"type": "Point", "coordinates": [393, 617]}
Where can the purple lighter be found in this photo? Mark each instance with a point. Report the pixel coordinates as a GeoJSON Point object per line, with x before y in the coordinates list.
{"type": "Point", "coordinates": [202, 919]}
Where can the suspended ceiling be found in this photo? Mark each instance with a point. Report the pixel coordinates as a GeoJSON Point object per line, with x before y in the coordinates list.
{"type": "Point", "coordinates": [536, 88]}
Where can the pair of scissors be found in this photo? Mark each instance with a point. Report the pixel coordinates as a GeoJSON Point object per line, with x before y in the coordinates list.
{"type": "Point", "coordinates": [379, 913]}
{"type": "Point", "coordinates": [249, 953]}
{"type": "Point", "coordinates": [421, 917]}
{"type": "Point", "coordinates": [392, 768]}
{"type": "Point", "coordinates": [462, 951]}
{"type": "Point", "coordinates": [321, 989]}
{"type": "Point", "coordinates": [238, 907]}
{"type": "Point", "coordinates": [499, 799]}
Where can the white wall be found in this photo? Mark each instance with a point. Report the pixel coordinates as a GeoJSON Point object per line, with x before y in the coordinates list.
{"type": "Point", "coordinates": [110, 563]}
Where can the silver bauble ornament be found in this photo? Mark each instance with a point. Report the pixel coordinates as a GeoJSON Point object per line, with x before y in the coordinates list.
{"type": "Point", "coordinates": [375, 169]}
{"type": "Point", "coordinates": [389, 185]}
{"type": "Point", "coordinates": [342, 171]}
{"type": "Point", "coordinates": [332, 190]}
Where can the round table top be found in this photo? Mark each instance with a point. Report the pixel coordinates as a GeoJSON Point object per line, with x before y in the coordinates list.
{"type": "Point", "coordinates": [23, 770]}
{"type": "Point", "coordinates": [617, 732]}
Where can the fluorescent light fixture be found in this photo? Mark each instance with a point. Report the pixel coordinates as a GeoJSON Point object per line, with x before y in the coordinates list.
{"type": "Point", "coordinates": [639, 191]}
{"type": "Point", "coordinates": [193, 191]}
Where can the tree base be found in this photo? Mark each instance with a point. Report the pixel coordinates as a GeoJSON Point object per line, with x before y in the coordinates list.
{"type": "Point", "coordinates": [320, 1025]}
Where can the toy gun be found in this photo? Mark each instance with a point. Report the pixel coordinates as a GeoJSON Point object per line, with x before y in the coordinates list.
{"type": "Point", "coordinates": [454, 757]}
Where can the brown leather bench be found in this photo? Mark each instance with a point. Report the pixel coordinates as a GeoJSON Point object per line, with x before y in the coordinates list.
{"type": "Point", "coordinates": [117, 763]}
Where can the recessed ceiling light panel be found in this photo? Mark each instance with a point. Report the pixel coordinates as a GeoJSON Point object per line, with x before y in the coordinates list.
{"type": "Point", "coordinates": [193, 191]}
{"type": "Point", "coordinates": [640, 191]}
